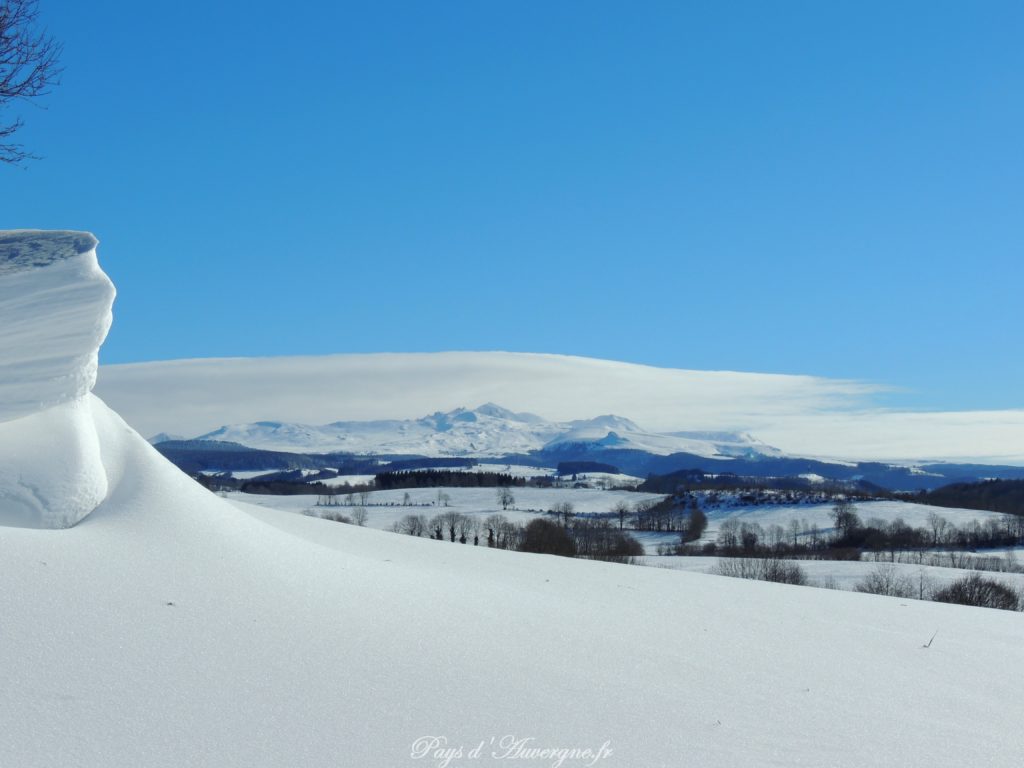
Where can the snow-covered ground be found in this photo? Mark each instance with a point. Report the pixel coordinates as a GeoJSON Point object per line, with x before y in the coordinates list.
{"type": "Point", "coordinates": [384, 508]}
{"type": "Point", "coordinates": [608, 479]}
{"type": "Point", "coordinates": [173, 628]}
{"type": "Point", "coordinates": [169, 628]}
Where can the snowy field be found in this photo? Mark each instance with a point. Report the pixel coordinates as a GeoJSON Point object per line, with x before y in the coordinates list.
{"type": "Point", "coordinates": [384, 508]}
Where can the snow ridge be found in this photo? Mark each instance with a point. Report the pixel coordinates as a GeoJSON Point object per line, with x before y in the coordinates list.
{"type": "Point", "coordinates": [55, 309]}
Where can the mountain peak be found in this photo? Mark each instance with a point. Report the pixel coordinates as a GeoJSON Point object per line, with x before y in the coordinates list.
{"type": "Point", "coordinates": [495, 411]}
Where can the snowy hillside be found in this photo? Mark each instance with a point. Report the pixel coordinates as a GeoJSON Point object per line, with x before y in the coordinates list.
{"type": "Point", "coordinates": [487, 431]}
{"type": "Point", "coordinates": [170, 627]}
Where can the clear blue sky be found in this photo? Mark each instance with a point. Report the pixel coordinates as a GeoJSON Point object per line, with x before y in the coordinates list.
{"type": "Point", "coordinates": [831, 188]}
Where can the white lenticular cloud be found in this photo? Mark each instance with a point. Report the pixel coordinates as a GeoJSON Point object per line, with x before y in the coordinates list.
{"type": "Point", "coordinates": [192, 396]}
{"type": "Point", "coordinates": [799, 414]}
{"type": "Point", "coordinates": [985, 437]}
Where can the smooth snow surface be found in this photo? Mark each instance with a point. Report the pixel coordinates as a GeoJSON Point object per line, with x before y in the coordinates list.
{"type": "Point", "coordinates": [51, 475]}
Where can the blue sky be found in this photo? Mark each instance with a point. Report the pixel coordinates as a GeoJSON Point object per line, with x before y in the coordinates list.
{"type": "Point", "coordinates": [824, 188]}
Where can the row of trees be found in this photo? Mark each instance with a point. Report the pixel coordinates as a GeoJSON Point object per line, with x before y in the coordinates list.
{"type": "Point", "coordinates": [850, 536]}
{"type": "Point", "coordinates": [972, 589]}
{"type": "Point", "coordinates": [566, 535]}
{"type": "Point", "coordinates": [888, 579]}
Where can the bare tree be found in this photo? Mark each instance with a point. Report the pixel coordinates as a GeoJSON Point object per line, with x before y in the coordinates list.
{"type": "Point", "coordinates": [493, 525]}
{"type": "Point", "coordinates": [938, 524]}
{"type": "Point", "coordinates": [776, 536]}
{"type": "Point", "coordinates": [795, 530]}
{"type": "Point", "coordinates": [887, 580]}
{"type": "Point", "coordinates": [566, 511]}
{"type": "Point", "coordinates": [729, 534]}
{"type": "Point", "coordinates": [501, 533]}
{"type": "Point", "coordinates": [845, 517]}
{"type": "Point", "coordinates": [466, 527]}
{"type": "Point", "coordinates": [359, 515]}
{"type": "Point", "coordinates": [413, 525]}
{"type": "Point", "coordinates": [28, 67]}
{"type": "Point", "coordinates": [473, 526]}
{"type": "Point", "coordinates": [448, 521]}
{"type": "Point", "coordinates": [505, 497]}
{"type": "Point", "coordinates": [975, 589]}
{"type": "Point", "coordinates": [621, 510]}
{"type": "Point", "coordinates": [762, 569]}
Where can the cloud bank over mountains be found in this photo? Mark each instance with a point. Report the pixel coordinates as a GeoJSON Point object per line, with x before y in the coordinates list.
{"type": "Point", "coordinates": [802, 415]}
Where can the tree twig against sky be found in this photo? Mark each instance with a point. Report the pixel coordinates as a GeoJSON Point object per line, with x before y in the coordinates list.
{"type": "Point", "coordinates": [29, 68]}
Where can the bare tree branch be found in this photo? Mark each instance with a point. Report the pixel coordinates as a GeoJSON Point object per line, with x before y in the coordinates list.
{"type": "Point", "coordinates": [29, 67]}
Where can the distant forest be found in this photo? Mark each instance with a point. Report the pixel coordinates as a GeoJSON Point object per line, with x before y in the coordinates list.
{"type": "Point", "coordinates": [991, 495]}
{"type": "Point", "coordinates": [439, 478]}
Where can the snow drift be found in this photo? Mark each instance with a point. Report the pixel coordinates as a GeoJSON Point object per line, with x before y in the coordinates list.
{"type": "Point", "coordinates": [172, 628]}
{"type": "Point", "coordinates": [55, 306]}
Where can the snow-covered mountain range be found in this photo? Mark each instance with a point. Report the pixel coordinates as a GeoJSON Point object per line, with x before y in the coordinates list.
{"type": "Point", "coordinates": [486, 431]}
